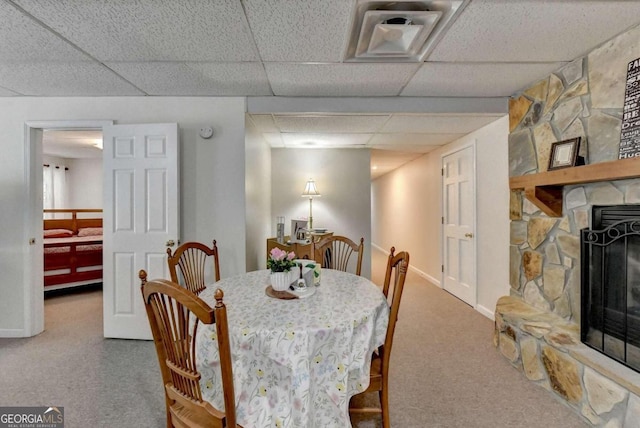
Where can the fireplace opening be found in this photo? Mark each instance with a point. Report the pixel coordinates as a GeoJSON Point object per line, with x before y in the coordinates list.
{"type": "Point", "coordinates": [610, 281]}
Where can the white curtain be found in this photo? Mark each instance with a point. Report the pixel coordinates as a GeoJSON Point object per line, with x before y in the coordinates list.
{"type": "Point", "coordinates": [54, 188]}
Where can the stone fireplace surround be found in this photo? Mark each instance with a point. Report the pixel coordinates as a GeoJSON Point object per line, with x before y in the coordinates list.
{"type": "Point", "coordinates": [547, 349]}
{"type": "Point", "coordinates": [537, 325]}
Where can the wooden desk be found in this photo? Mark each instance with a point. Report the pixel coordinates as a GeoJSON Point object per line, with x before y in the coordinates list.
{"type": "Point", "coordinates": [303, 251]}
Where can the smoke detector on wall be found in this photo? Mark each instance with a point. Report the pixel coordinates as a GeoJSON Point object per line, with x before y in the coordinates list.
{"type": "Point", "coordinates": [399, 31]}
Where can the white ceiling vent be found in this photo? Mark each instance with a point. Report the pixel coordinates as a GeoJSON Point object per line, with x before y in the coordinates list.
{"type": "Point", "coordinates": [399, 31]}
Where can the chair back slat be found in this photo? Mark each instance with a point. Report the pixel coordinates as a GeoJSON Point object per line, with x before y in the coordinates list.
{"type": "Point", "coordinates": [175, 314]}
{"type": "Point", "coordinates": [395, 276]}
{"type": "Point", "coordinates": [335, 252]}
{"type": "Point", "coordinates": [188, 265]}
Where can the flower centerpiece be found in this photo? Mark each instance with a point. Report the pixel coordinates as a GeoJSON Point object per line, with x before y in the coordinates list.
{"type": "Point", "coordinates": [280, 262]}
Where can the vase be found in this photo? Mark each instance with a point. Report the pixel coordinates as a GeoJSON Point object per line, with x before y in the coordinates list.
{"type": "Point", "coordinates": [280, 280]}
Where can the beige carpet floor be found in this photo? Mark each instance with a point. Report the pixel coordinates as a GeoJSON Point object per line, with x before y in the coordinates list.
{"type": "Point", "coordinates": [445, 371]}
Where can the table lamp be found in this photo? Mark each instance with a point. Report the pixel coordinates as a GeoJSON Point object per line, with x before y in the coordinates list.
{"type": "Point", "coordinates": [310, 190]}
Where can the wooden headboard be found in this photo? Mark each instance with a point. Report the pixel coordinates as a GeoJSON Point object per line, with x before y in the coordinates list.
{"type": "Point", "coordinates": [74, 223]}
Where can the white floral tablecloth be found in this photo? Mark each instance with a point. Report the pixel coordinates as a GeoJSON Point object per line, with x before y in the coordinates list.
{"type": "Point", "coordinates": [296, 363]}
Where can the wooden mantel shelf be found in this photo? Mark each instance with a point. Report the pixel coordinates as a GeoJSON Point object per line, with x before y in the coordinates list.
{"type": "Point", "coordinates": [544, 189]}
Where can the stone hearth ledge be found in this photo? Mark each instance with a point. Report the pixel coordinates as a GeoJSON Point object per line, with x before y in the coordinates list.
{"type": "Point", "coordinates": [547, 349]}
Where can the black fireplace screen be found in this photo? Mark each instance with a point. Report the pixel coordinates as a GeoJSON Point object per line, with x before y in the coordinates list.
{"type": "Point", "coordinates": [610, 261]}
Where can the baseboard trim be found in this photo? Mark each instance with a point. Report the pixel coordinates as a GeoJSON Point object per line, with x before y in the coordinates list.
{"type": "Point", "coordinates": [379, 248]}
{"type": "Point", "coordinates": [424, 275]}
{"type": "Point", "coordinates": [7, 332]}
{"type": "Point", "coordinates": [486, 312]}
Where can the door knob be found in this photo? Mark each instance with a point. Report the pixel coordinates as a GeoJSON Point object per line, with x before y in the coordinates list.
{"type": "Point", "coordinates": [170, 243]}
{"type": "Point", "coordinates": [468, 235]}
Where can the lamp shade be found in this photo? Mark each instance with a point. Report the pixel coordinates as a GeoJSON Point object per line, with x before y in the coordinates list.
{"type": "Point", "coordinates": [310, 189]}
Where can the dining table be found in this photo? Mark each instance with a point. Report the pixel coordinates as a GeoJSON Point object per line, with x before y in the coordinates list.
{"type": "Point", "coordinates": [296, 362]}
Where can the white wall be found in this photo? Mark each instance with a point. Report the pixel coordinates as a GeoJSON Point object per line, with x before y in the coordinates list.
{"type": "Point", "coordinates": [84, 183]}
{"type": "Point", "coordinates": [342, 177]}
{"type": "Point", "coordinates": [212, 175]}
{"type": "Point", "coordinates": [407, 212]}
{"type": "Point", "coordinates": [492, 163]}
{"type": "Point", "coordinates": [258, 196]}
{"type": "Point", "coordinates": [55, 161]}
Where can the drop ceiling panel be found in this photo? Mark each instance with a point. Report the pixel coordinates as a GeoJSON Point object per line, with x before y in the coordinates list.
{"type": "Point", "coordinates": [325, 140]}
{"type": "Point", "coordinates": [7, 93]}
{"type": "Point", "coordinates": [331, 124]}
{"type": "Point", "coordinates": [437, 124]}
{"type": "Point", "coordinates": [533, 30]}
{"type": "Point", "coordinates": [406, 148]}
{"type": "Point", "coordinates": [264, 122]}
{"type": "Point", "coordinates": [63, 79]}
{"type": "Point", "coordinates": [475, 80]}
{"type": "Point", "coordinates": [176, 78]}
{"type": "Point", "coordinates": [334, 80]}
{"type": "Point", "coordinates": [413, 139]}
{"type": "Point", "coordinates": [186, 30]}
{"type": "Point", "coordinates": [287, 30]}
{"type": "Point", "coordinates": [25, 40]}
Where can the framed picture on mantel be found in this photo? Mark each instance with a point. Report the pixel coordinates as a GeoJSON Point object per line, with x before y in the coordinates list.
{"type": "Point", "coordinates": [564, 154]}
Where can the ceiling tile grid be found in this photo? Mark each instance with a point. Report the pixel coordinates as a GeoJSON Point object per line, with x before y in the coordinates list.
{"type": "Point", "coordinates": [475, 79]}
{"type": "Point", "coordinates": [195, 79]}
{"type": "Point", "coordinates": [7, 93]}
{"type": "Point", "coordinates": [437, 123]}
{"type": "Point", "coordinates": [64, 79]}
{"type": "Point", "coordinates": [533, 30]}
{"type": "Point", "coordinates": [315, 141]}
{"type": "Point", "coordinates": [413, 139]}
{"type": "Point", "coordinates": [24, 40]}
{"type": "Point", "coordinates": [331, 123]}
{"type": "Point", "coordinates": [284, 48]}
{"type": "Point", "coordinates": [300, 31]}
{"type": "Point", "coordinates": [264, 122]}
{"type": "Point", "coordinates": [339, 80]}
{"type": "Point", "coordinates": [150, 30]}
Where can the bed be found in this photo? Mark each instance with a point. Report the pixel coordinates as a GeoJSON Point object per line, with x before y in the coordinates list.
{"type": "Point", "coordinates": [72, 248]}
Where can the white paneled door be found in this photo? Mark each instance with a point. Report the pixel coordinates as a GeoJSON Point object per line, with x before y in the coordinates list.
{"type": "Point", "coordinates": [459, 219]}
{"type": "Point", "coordinates": [140, 219]}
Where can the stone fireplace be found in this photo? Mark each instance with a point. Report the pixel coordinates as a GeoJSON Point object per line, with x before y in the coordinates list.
{"type": "Point", "coordinates": [538, 324]}
{"type": "Point", "coordinates": [610, 283]}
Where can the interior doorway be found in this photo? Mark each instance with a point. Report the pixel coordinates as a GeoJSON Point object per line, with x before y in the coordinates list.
{"type": "Point", "coordinates": [72, 202]}
{"type": "Point", "coordinates": [34, 292]}
{"type": "Point", "coordinates": [459, 224]}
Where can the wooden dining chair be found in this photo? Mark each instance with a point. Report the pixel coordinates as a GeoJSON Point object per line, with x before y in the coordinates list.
{"type": "Point", "coordinates": [191, 258]}
{"type": "Point", "coordinates": [169, 307]}
{"type": "Point", "coordinates": [397, 266]}
{"type": "Point", "coordinates": [335, 252]}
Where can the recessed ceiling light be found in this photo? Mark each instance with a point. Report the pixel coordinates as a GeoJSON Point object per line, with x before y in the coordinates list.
{"type": "Point", "coordinates": [374, 167]}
